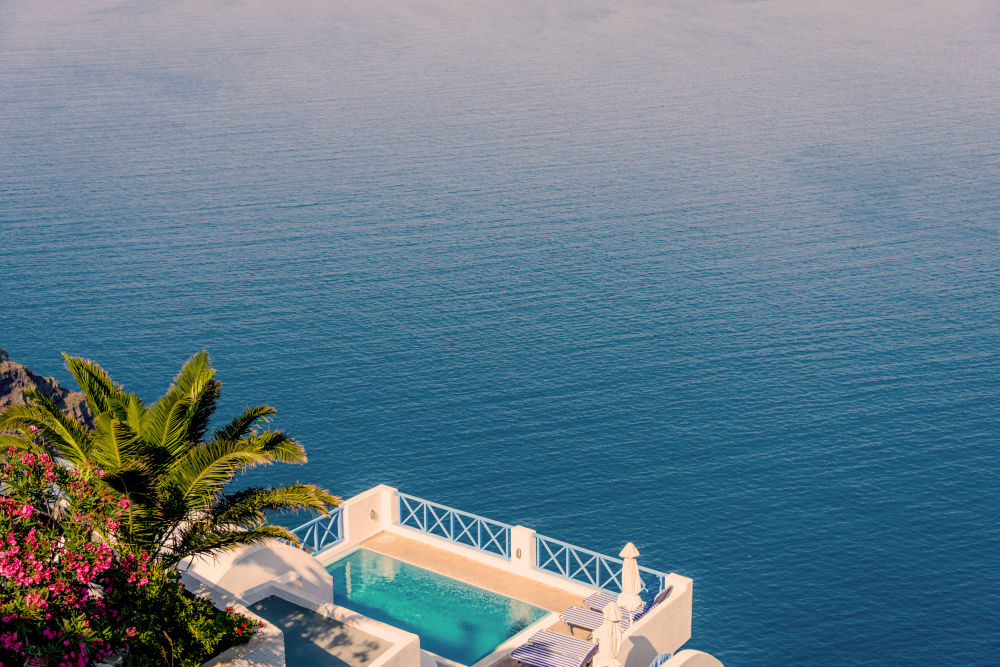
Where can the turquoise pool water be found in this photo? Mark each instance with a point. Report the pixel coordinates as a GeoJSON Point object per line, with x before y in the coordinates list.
{"type": "Point", "coordinates": [453, 619]}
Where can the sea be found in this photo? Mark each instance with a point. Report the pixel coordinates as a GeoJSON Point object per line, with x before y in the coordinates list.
{"type": "Point", "coordinates": [717, 278]}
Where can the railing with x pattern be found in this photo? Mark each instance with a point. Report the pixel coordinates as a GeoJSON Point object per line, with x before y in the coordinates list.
{"type": "Point", "coordinates": [460, 527]}
{"type": "Point", "coordinates": [321, 533]}
{"type": "Point", "coordinates": [661, 659]}
{"type": "Point", "coordinates": [589, 567]}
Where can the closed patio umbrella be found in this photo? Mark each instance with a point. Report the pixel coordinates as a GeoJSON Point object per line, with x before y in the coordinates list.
{"type": "Point", "coordinates": [631, 583]}
{"type": "Point", "coordinates": [608, 636]}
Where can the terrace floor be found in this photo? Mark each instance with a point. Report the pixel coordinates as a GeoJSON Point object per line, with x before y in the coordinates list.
{"type": "Point", "coordinates": [474, 572]}
{"type": "Point", "coordinates": [313, 639]}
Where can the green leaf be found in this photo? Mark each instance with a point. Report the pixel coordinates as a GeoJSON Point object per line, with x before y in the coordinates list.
{"type": "Point", "coordinates": [241, 426]}
{"type": "Point", "coordinates": [95, 383]}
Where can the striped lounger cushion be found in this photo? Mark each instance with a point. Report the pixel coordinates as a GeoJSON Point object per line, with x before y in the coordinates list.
{"type": "Point", "coordinates": [571, 646]}
{"type": "Point", "coordinates": [599, 600]}
{"type": "Point", "coordinates": [579, 617]}
{"type": "Point", "coordinates": [539, 656]}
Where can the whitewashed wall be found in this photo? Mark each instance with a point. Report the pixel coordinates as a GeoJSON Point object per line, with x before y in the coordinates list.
{"type": "Point", "coordinates": [664, 629]}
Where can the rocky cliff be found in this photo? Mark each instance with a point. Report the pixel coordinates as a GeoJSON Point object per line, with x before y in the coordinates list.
{"type": "Point", "coordinates": [15, 378]}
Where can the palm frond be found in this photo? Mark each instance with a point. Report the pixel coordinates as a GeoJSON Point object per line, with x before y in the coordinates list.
{"type": "Point", "coordinates": [134, 479]}
{"type": "Point", "coordinates": [248, 508]}
{"type": "Point", "coordinates": [115, 443]}
{"type": "Point", "coordinates": [202, 406]}
{"type": "Point", "coordinates": [68, 438]}
{"type": "Point", "coordinates": [197, 539]}
{"type": "Point", "coordinates": [135, 412]}
{"type": "Point", "coordinates": [95, 383]}
{"type": "Point", "coordinates": [201, 473]}
{"type": "Point", "coordinates": [19, 442]}
{"type": "Point", "coordinates": [167, 431]}
{"type": "Point", "coordinates": [194, 374]}
{"type": "Point", "coordinates": [128, 408]}
{"type": "Point", "coordinates": [279, 447]}
{"type": "Point", "coordinates": [242, 425]}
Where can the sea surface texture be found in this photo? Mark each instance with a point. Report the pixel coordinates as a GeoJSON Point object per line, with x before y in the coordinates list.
{"type": "Point", "coordinates": [719, 278]}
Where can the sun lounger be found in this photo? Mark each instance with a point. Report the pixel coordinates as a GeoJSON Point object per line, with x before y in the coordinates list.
{"type": "Point", "coordinates": [590, 620]}
{"type": "Point", "coordinates": [539, 656]}
{"type": "Point", "coordinates": [601, 599]}
{"type": "Point", "coordinates": [571, 646]}
{"type": "Point", "coordinates": [586, 619]}
{"type": "Point", "coordinates": [551, 649]}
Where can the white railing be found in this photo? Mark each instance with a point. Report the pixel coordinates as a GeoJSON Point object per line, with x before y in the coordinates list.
{"type": "Point", "coordinates": [321, 533]}
{"type": "Point", "coordinates": [471, 530]}
{"type": "Point", "coordinates": [589, 567]}
{"type": "Point", "coordinates": [552, 556]}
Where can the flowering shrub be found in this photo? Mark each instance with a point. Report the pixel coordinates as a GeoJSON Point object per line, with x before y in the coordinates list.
{"type": "Point", "coordinates": [169, 626]}
{"type": "Point", "coordinates": [52, 569]}
{"type": "Point", "coordinates": [72, 595]}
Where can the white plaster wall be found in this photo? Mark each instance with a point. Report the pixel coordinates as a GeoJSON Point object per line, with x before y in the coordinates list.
{"type": "Point", "coordinates": [522, 549]}
{"type": "Point", "coordinates": [356, 514]}
{"type": "Point", "coordinates": [247, 568]}
{"type": "Point", "coordinates": [689, 658]}
{"type": "Point", "coordinates": [663, 630]}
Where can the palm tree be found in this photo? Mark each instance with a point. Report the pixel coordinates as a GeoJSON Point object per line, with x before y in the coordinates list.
{"type": "Point", "coordinates": [164, 460]}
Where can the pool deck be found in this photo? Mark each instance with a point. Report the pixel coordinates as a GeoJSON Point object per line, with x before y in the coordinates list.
{"type": "Point", "coordinates": [475, 573]}
{"type": "Point", "coordinates": [312, 639]}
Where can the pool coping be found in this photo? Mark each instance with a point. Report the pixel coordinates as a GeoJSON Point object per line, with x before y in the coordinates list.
{"type": "Point", "coordinates": [500, 651]}
{"type": "Point", "coordinates": [574, 589]}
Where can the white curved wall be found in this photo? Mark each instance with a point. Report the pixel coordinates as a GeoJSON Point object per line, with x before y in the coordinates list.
{"type": "Point", "coordinates": [689, 658]}
{"type": "Point", "coordinates": [266, 563]}
{"type": "Point", "coordinates": [664, 629]}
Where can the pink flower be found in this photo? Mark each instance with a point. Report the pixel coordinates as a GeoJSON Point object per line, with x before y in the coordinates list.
{"type": "Point", "coordinates": [32, 429]}
{"type": "Point", "coordinates": [131, 631]}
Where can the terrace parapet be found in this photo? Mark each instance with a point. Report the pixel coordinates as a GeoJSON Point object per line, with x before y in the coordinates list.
{"type": "Point", "coordinates": [516, 549]}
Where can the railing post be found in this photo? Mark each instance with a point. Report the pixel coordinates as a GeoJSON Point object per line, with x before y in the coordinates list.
{"type": "Point", "coordinates": [521, 548]}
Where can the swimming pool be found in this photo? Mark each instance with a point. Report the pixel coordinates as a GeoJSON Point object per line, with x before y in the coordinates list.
{"type": "Point", "coordinates": [454, 619]}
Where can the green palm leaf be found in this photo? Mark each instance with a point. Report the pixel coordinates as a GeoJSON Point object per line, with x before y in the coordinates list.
{"type": "Point", "coordinates": [158, 457]}
{"type": "Point", "coordinates": [197, 540]}
{"type": "Point", "coordinates": [248, 508]}
{"type": "Point", "coordinates": [279, 446]}
{"type": "Point", "coordinates": [241, 426]}
{"type": "Point", "coordinates": [202, 471]}
{"type": "Point", "coordinates": [70, 439]}
{"type": "Point", "coordinates": [18, 442]}
{"type": "Point", "coordinates": [95, 383]}
{"type": "Point", "coordinates": [115, 445]}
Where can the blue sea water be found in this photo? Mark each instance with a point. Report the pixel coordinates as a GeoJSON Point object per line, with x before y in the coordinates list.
{"type": "Point", "coordinates": [720, 278]}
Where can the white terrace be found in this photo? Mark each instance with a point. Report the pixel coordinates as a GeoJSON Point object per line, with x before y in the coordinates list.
{"type": "Point", "coordinates": [280, 582]}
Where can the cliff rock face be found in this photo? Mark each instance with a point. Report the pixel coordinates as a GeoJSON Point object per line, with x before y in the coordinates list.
{"type": "Point", "coordinates": [15, 378]}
